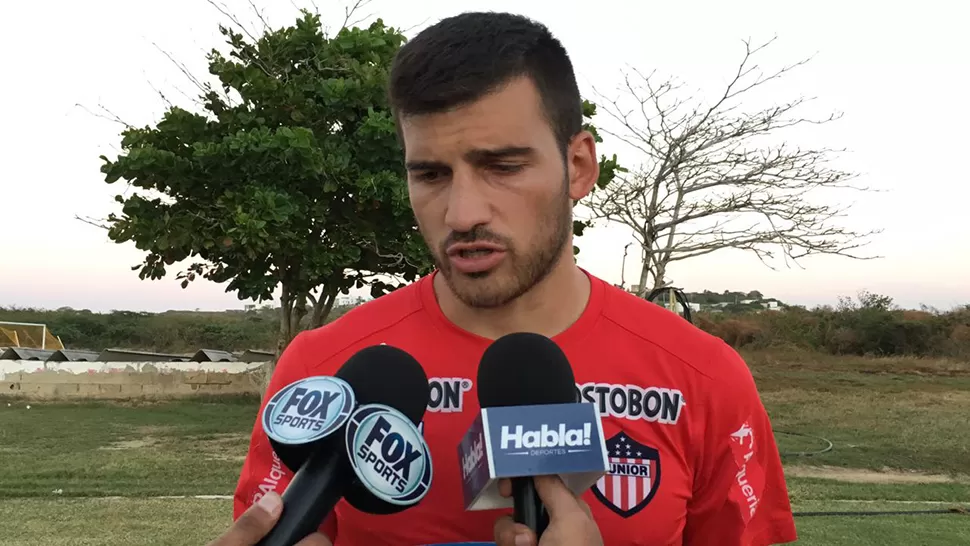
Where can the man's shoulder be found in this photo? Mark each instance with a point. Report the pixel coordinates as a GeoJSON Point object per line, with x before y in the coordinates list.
{"type": "Point", "coordinates": [361, 322]}
{"type": "Point", "coordinates": [670, 333]}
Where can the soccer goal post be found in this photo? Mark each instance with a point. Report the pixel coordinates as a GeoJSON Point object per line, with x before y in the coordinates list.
{"type": "Point", "coordinates": [28, 335]}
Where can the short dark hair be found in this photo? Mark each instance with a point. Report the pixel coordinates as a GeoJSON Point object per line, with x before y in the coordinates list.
{"type": "Point", "coordinates": [463, 58]}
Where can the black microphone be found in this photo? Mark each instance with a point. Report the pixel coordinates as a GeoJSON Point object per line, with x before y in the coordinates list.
{"type": "Point", "coordinates": [308, 422]}
{"type": "Point", "coordinates": [524, 369]}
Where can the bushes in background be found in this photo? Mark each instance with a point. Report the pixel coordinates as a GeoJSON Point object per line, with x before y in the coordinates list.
{"type": "Point", "coordinates": [170, 332]}
{"type": "Point", "coordinates": [870, 325]}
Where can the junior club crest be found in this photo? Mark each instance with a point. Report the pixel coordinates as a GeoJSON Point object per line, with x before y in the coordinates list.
{"type": "Point", "coordinates": [634, 476]}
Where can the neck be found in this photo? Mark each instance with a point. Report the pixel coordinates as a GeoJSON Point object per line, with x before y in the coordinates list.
{"type": "Point", "coordinates": [549, 308]}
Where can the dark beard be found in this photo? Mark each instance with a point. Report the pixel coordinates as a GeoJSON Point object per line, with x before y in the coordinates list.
{"type": "Point", "coordinates": [537, 264]}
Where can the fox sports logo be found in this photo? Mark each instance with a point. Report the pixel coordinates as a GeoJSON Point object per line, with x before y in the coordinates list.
{"type": "Point", "coordinates": [308, 410]}
{"type": "Point", "coordinates": [388, 454]}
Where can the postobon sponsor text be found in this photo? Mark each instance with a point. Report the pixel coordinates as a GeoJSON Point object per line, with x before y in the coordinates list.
{"type": "Point", "coordinates": [654, 404]}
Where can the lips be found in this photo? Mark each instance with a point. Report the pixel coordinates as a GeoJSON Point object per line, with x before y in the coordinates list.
{"type": "Point", "coordinates": [466, 249]}
{"type": "Point", "coordinates": [477, 257]}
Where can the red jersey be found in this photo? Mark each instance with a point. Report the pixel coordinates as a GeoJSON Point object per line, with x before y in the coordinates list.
{"type": "Point", "coordinates": [693, 458]}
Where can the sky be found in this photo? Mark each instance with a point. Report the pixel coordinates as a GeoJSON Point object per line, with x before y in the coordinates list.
{"type": "Point", "coordinates": [899, 75]}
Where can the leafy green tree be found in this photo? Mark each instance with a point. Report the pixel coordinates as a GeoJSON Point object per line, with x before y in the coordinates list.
{"type": "Point", "coordinates": [290, 178]}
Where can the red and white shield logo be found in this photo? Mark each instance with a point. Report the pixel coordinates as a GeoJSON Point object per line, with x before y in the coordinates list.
{"type": "Point", "coordinates": [634, 476]}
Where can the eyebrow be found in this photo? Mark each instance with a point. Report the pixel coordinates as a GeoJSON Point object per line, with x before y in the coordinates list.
{"type": "Point", "coordinates": [483, 156]}
{"type": "Point", "coordinates": [425, 165]}
{"type": "Point", "coordinates": [476, 156]}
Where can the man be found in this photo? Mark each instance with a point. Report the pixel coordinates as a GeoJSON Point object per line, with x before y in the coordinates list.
{"type": "Point", "coordinates": [490, 119]}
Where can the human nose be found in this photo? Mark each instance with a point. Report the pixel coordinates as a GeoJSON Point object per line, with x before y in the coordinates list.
{"type": "Point", "coordinates": [467, 206]}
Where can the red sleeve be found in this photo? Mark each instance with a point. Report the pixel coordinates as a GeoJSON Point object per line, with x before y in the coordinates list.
{"type": "Point", "coordinates": [262, 470]}
{"type": "Point", "coordinates": [740, 497]}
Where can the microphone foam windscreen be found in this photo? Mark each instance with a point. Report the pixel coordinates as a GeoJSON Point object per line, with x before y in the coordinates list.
{"type": "Point", "coordinates": [524, 369]}
{"type": "Point", "coordinates": [387, 375]}
{"type": "Point", "coordinates": [384, 375]}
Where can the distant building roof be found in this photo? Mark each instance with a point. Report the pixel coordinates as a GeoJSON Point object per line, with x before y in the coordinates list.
{"type": "Point", "coordinates": [212, 355]}
{"type": "Point", "coordinates": [66, 355]}
{"type": "Point", "coordinates": [22, 353]}
{"type": "Point", "coordinates": [256, 356]}
{"type": "Point", "coordinates": [123, 355]}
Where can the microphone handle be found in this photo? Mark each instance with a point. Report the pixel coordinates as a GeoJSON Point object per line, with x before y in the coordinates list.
{"type": "Point", "coordinates": [315, 489]}
{"type": "Point", "coordinates": [527, 507]}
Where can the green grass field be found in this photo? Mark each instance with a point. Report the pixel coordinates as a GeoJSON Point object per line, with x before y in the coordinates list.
{"type": "Point", "coordinates": [898, 429]}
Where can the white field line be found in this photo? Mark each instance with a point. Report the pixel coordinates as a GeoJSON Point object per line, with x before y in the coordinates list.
{"type": "Point", "coordinates": [162, 497]}
{"type": "Point", "coordinates": [827, 501]}
{"type": "Point", "coordinates": [864, 501]}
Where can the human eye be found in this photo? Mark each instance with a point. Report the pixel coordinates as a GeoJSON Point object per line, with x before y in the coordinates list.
{"type": "Point", "coordinates": [506, 168]}
{"type": "Point", "coordinates": [427, 176]}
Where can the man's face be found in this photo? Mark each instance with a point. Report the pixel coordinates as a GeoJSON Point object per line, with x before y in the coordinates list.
{"type": "Point", "coordinates": [491, 193]}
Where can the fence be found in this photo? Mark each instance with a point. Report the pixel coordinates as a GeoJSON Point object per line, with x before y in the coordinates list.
{"type": "Point", "coordinates": [124, 380]}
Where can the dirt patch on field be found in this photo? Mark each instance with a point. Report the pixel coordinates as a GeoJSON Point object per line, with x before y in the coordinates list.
{"type": "Point", "coordinates": [860, 475]}
{"type": "Point", "coordinates": [140, 443]}
{"type": "Point", "coordinates": [224, 447]}
{"type": "Point", "coordinates": [142, 437]}
{"type": "Point", "coordinates": [956, 397]}
{"type": "Point", "coordinates": [225, 457]}
{"type": "Point", "coordinates": [154, 430]}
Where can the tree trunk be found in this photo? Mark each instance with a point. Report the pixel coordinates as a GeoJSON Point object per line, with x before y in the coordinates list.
{"type": "Point", "coordinates": [293, 309]}
{"type": "Point", "coordinates": [659, 273]}
{"type": "Point", "coordinates": [322, 306]}
{"type": "Point", "coordinates": [644, 278]}
{"type": "Point", "coordinates": [286, 333]}
{"type": "Point", "coordinates": [648, 258]}
{"type": "Point", "coordinates": [299, 312]}
{"type": "Point", "coordinates": [286, 320]}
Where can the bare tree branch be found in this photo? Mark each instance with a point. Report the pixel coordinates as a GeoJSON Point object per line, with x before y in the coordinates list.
{"type": "Point", "coordinates": [92, 222]}
{"type": "Point", "coordinates": [202, 87]}
{"type": "Point", "coordinates": [107, 114]}
{"type": "Point", "coordinates": [414, 26]}
{"type": "Point", "coordinates": [397, 258]}
{"type": "Point", "coordinates": [351, 11]}
{"type": "Point", "coordinates": [224, 10]}
{"type": "Point", "coordinates": [260, 16]}
{"type": "Point", "coordinates": [167, 102]}
{"type": "Point", "coordinates": [710, 167]}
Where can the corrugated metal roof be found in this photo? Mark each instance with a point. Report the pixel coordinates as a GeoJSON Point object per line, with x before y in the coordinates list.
{"type": "Point", "coordinates": [256, 356]}
{"type": "Point", "coordinates": [22, 353]}
{"type": "Point", "coordinates": [124, 355]}
{"type": "Point", "coordinates": [73, 356]}
{"type": "Point", "coordinates": [212, 355]}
